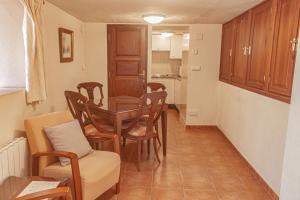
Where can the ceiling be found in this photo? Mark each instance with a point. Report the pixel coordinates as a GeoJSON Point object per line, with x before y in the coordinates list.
{"type": "Point", "coordinates": [176, 11]}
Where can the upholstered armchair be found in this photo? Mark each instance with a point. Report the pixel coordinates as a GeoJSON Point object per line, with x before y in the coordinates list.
{"type": "Point", "coordinates": [91, 175]}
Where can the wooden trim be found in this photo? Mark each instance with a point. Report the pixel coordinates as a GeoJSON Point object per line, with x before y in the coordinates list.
{"type": "Point", "coordinates": [285, 99]}
{"type": "Point", "coordinates": [74, 165]}
{"type": "Point", "coordinates": [60, 32]}
{"type": "Point", "coordinates": [206, 127]}
{"type": "Point", "coordinates": [253, 172]}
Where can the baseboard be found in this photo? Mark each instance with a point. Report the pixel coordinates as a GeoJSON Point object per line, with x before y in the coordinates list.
{"type": "Point", "coordinates": [201, 127]}
{"type": "Point", "coordinates": [267, 188]}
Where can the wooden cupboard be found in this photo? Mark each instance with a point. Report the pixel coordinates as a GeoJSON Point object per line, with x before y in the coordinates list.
{"type": "Point", "coordinates": [239, 70]}
{"type": "Point", "coordinates": [284, 49]}
{"type": "Point", "coordinates": [264, 44]}
{"type": "Point", "coordinates": [260, 49]}
{"type": "Point", "coordinates": [227, 50]}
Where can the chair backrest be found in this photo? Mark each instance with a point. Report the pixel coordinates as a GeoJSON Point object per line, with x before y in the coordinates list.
{"type": "Point", "coordinates": [154, 87]}
{"type": "Point", "coordinates": [37, 139]}
{"type": "Point", "coordinates": [103, 120]}
{"type": "Point", "coordinates": [76, 103]}
{"type": "Point", "coordinates": [90, 87]}
{"type": "Point", "coordinates": [154, 102]}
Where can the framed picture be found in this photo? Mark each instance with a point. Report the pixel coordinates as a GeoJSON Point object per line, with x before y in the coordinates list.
{"type": "Point", "coordinates": [66, 45]}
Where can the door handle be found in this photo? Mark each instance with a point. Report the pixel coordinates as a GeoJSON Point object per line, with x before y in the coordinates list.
{"type": "Point", "coordinates": [294, 42]}
{"type": "Point", "coordinates": [245, 51]}
{"type": "Point", "coordinates": [249, 50]}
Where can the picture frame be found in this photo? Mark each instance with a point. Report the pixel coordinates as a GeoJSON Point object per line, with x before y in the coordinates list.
{"type": "Point", "coordinates": [66, 45]}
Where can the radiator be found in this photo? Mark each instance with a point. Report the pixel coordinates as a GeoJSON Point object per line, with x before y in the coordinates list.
{"type": "Point", "coordinates": [14, 159]}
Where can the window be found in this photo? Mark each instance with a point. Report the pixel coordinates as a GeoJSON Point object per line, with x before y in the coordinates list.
{"type": "Point", "coordinates": [12, 53]}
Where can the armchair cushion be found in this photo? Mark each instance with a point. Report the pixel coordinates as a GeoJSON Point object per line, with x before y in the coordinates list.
{"type": "Point", "coordinates": [99, 171]}
{"type": "Point", "coordinates": [68, 137]}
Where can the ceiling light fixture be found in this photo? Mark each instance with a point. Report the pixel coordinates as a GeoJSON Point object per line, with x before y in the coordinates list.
{"type": "Point", "coordinates": [154, 19]}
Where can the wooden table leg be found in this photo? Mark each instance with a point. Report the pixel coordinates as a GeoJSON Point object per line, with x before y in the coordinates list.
{"type": "Point", "coordinates": [164, 131]}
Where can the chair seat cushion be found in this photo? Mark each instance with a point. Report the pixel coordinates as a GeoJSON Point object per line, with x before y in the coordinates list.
{"type": "Point", "coordinates": [138, 131]}
{"type": "Point", "coordinates": [99, 171]}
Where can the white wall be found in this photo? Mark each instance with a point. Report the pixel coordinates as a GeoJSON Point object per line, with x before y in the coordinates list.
{"type": "Point", "coordinates": [59, 76]}
{"type": "Point", "coordinates": [96, 53]}
{"type": "Point", "coordinates": [202, 85]}
{"type": "Point", "coordinates": [290, 189]}
{"type": "Point", "coordinates": [256, 125]}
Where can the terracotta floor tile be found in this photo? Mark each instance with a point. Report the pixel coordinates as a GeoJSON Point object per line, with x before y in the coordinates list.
{"type": "Point", "coordinates": [135, 193]}
{"type": "Point", "coordinates": [136, 179]}
{"type": "Point", "coordinates": [200, 195]}
{"type": "Point", "coordinates": [200, 165]}
{"type": "Point", "coordinates": [167, 194]}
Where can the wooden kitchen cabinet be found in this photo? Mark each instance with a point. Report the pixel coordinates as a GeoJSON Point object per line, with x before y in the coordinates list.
{"type": "Point", "coordinates": [242, 32]}
{"type": "Point", "coordinates": [260, 48]}
{"type": "Point", "coordinates": [284, 47]}
{"type": "Point", "coordinates": [160, 44]}
{"type": "Point", "coordinates": [265, 41]}
{"type": "Point", "coordinates": [227, 50]}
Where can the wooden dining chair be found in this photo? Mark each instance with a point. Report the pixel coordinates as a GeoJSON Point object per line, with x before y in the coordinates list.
{"type": "Point", "coordinates": [140, 130]}
{"type": "Point", "coordinates": [154, 87]}
{"type": "Point", "coordinates": [90, 89]}
{"type": "Point", "coordinates": [76, 103]}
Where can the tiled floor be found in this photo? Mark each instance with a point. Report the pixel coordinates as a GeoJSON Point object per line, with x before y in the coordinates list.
{"type": "Point", "coordinates": [200, 165]}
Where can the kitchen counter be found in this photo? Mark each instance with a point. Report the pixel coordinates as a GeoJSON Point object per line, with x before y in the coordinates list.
{"type": "Point", "coordinates": [166, 76]}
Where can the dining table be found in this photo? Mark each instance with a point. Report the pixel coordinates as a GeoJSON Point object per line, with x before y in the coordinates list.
{"type": "Point", "coordinates": [126, 108]}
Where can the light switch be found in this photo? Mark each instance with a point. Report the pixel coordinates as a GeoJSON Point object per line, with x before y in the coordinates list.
{"type": "Point", "coordinates": [196, 68]}
{"type": "Point", "coordinates": [195, 51]}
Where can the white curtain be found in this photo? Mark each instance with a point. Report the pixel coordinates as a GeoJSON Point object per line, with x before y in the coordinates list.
{"type": "Point", "coordinates": [34, 48]}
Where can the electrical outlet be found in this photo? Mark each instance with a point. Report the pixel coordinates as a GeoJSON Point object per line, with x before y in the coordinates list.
{"type": "Point", "coordinates": [193, 113]}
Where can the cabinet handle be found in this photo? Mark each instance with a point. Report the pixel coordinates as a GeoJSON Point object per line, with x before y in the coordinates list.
{"type": "Point", "coordinates": [245, 51]}
{"type": "Point", "coordinates": [249, 50]}
{"type": "Point", "coordinates": [294, 42]}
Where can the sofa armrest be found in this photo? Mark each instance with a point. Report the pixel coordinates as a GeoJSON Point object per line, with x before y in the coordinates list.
{"type": "Point", "coordinates": [74, 165]}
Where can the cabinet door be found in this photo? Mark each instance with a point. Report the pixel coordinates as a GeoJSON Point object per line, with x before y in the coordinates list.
{"type": "Point", "coordinates": [160, 44]}
{"type": "Point", "coordinates": [227, 50]}
{"type": "Point", "coordinates": [283, 56]}
{"type": "Point", "coordinates": [260, 49]}
{"type": "Point", "coordinates": [176, 47]}
{"type": "Point", "coordinates": [239, 70]}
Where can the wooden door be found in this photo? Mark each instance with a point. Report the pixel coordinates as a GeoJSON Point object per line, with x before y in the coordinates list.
{"type": "Point", "coordinates": [239, 70]}
{"type": "Point", "coordinates": [283, 56]}
{"type": "Point", "coordinates": [227, 50]}
{"type": "Point", "coordinates": [127, 60]}
{"type": "Point", "coordinates": [260, 49]}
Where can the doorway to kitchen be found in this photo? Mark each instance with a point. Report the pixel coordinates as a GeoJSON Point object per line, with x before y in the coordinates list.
{"type": "Point", "coordinates": [170, 52]}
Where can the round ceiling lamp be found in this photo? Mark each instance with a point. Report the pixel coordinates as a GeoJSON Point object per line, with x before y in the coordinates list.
{"type": "Point", "coordinates": [154, 19]}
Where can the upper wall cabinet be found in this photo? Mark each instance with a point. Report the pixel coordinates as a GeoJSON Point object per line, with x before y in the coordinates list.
{"type": "Point", "coordinates": [265, 41]}
{"type": "Point", "coordinates": [284, 49]}
{"type": "Point", "coordinates": [241, 49]}
{"type": "Point", "coordinates": [160, 44]}
{"type": "Point", "coordinates": [176, 47]}
{"type": "Point", "coordinates": [227, 50]}
{"type": "Point", "coordinates": [260, 48]}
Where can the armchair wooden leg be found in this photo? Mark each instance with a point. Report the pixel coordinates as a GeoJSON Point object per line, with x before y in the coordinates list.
{"type": "Point", "coordinates": [139, 154]}
{"type": "Point", "coordinates": [118, 188]}
{"type": "Point", "coordinates": [155, 149]}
